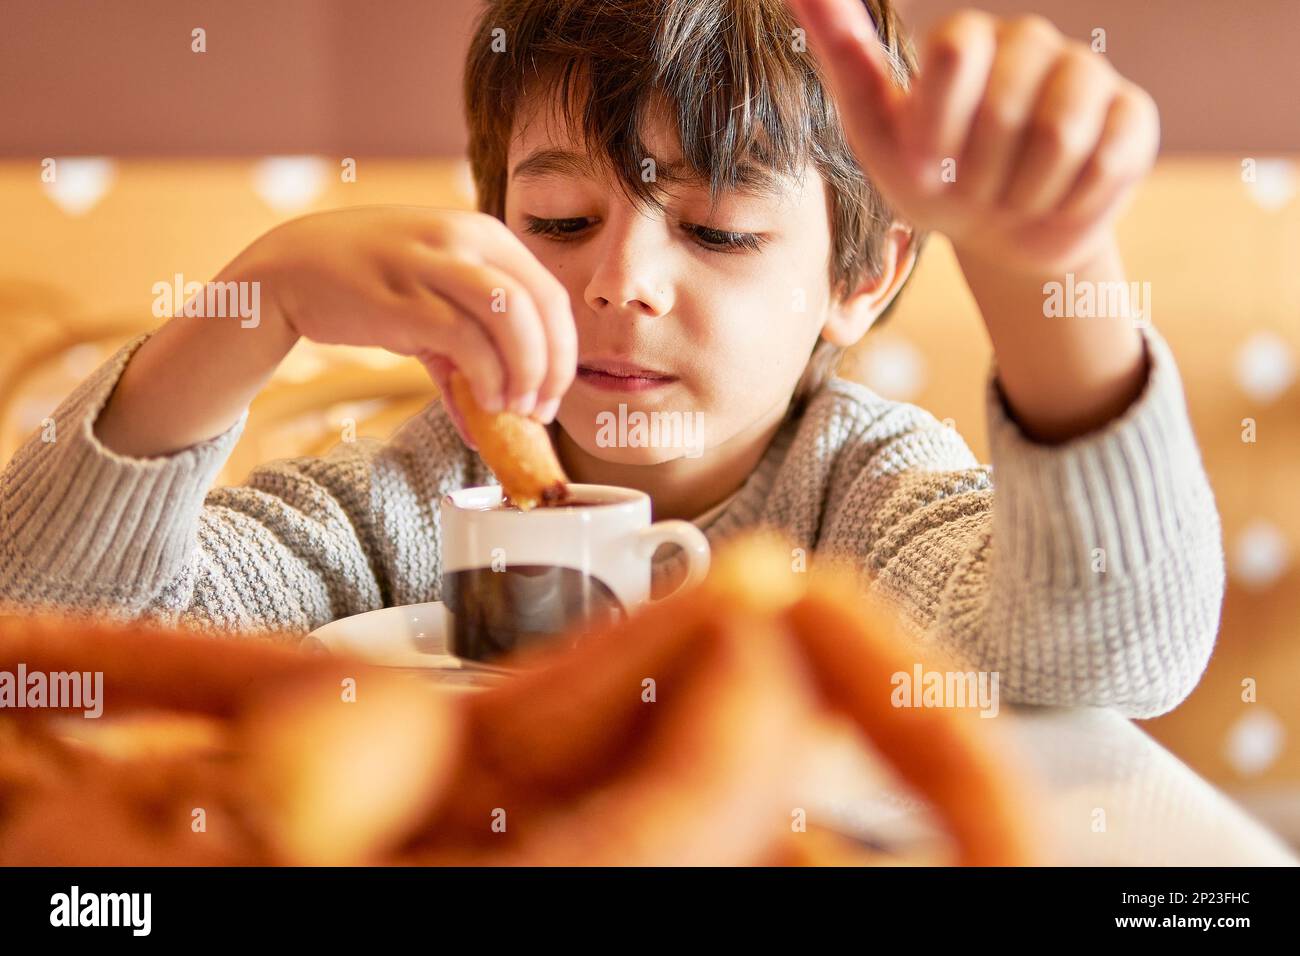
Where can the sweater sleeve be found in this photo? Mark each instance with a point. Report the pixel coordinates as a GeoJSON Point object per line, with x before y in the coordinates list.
{"type": "Point", "coordinates": [1089, 572]}
{"type": "Point", "coordinates": [301, 542]}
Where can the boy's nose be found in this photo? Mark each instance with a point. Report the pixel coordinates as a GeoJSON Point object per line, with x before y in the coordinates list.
{"type": "Point", "coordinates": [628, 279]}
{"type": "Point", "coordinates": [631, 306]}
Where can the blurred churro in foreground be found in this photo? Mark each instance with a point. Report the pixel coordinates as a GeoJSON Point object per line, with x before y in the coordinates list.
{"type": "Point", "coordinates": [667, 738]}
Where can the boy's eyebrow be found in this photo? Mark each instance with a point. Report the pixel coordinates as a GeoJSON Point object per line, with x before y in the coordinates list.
{"type": "Point", "coordinates": [753, 179]}
{"type": "Point", "coordinates": [545, 162]}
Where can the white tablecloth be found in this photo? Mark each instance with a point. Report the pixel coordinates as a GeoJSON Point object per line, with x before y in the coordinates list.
{"type": "Point", "coordinates": [1101, 792]}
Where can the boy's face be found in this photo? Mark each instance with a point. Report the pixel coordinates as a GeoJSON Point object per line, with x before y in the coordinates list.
{"type": "Point", "coordinates": [730, 326]}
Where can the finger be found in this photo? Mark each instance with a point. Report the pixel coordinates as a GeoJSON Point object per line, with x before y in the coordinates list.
{"type": "Point", "coordinates": [454, 335]}
{"type": "Point", "coordinates": [955, 67]}
{"type": "Point", "coordinates": [440, 369]}
{"type": "Point", "coordinates": [501, 305]}
{"type": "Point", "coordinates": [1127, 148]}
{"type": "Point", "coordinates": [561, 365]}
{"type": "Point", "coordinates": [860, 76]}
{"type": "Point", "coordinates": [1066, 125]}
{"type": "Point", "coordinates": [503, 248]}
{"type": "Point", "coordinates": [1027, 49]}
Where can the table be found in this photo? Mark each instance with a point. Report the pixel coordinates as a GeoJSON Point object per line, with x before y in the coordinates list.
{"type": "Point", "coordinates": [1104, 794]}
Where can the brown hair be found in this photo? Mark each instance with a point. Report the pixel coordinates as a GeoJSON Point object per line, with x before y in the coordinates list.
{"type": "Point", "coordinates": [744, 92]}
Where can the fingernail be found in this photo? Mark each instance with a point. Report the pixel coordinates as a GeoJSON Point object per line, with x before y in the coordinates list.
{"type": "Point", "coordinates": [524, 403]}
{"type": "Point", "coordinates": [493, 403]}
{"type": "Point", "coordinates": [545, 412]}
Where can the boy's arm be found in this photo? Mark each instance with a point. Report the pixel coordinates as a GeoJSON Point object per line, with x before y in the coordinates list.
{"type": "Point", "coordinates": [194, 377]}
{"type": "Point", "coordinates": [112, 516]}
{"type": "Point", "coordinates": [302, 541]}
{"type": "Point", "coordinates": [84, 527]}
{"type": "Point", "coordinates": [1066, 374]}
{"type": "Point", "coordinates": [1093, 575]}
{"type": "Point", "coordinates": [1022, 147]}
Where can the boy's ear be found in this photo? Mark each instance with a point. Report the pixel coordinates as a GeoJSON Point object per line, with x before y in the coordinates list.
{"type": "Point", "coordinates": [848, 319]}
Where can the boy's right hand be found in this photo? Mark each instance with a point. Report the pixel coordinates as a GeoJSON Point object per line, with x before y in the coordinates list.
{"type": "Point", "coordinates": [454, 289]}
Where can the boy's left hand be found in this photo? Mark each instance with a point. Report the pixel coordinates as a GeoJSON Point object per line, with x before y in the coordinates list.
{"type": "Point", "coordinates": [1017, 143]}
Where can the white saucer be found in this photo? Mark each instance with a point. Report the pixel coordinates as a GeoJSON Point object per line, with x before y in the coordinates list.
{"type": "Point", "coordinates": [410, 637]}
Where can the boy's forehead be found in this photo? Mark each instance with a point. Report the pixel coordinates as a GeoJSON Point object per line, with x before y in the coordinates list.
{"type": "Point", "coordinates": [543, 145]}
{"type": "Point", "coordinates": [542, 125]}
{"type": "Point", "coordinates": [550, 160]}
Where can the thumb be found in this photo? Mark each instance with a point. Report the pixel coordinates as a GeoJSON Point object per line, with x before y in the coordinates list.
{"type": "Point", "coordinates": [859, 73]}
{"type": "Point", "coordinates": [440, 368]}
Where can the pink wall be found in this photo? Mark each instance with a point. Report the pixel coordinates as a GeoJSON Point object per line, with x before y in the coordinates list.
{"type": "Point", "coordinates": [327, 76]}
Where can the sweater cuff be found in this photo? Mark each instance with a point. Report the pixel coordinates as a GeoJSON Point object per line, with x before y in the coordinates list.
{"type": "Point", "coordinates": [1112, 500]}
{"type": "Point", "coordinates": [104, 524]}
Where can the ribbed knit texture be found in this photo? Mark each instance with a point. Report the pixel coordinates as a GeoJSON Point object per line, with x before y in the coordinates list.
{"type": "Point", "coordinates": [1093, 576]}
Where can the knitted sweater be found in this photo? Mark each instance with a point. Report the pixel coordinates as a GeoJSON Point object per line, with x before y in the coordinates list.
{"type": "Point", "coordinates": [1093, 575]}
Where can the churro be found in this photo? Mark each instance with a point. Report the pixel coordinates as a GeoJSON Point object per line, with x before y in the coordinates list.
{"type": "Point", "coordinates": [668, 737]}
{"type": "Point", "coordinates": [517, 448]}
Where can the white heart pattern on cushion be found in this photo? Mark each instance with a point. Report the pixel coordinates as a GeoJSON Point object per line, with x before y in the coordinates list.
{"type": "Point", "coordinates": [80, 182]}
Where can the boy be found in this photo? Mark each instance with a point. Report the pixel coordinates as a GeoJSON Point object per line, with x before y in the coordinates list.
{"type": "Point", "coordinates": [674, 218]}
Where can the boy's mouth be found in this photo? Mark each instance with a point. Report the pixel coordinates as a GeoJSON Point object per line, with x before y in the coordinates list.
{"type": "Point", "coordinates": [613, 375]}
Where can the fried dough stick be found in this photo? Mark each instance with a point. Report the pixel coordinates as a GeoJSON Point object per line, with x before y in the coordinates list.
{"type": "Point", "coordinates": [587, 768]}
{"type": "Point", "coordinates": [568, 716]}
{"type": "Point", "coordinates": [517, 448]}
{"type": "Point", "coordinates": [64, 804]}
{"type": "Point", "coordinates": [944, 752]}
{"type": "Point", "coordinates": [151, 668]}
{"type": "Point", "coordinates": [534, 741]}
{"type": "Point", "coordinates": [852, 647]}
{"type": "Point", "coordinates": [699, 775]}
{"type": "Point", "coordinates": [324, 760]}
{"type": "Point", "coordinates": [339, 776]}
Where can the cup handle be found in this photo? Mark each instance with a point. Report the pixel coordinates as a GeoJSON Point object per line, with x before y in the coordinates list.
{"type": "Point", "coordinates": [686, 536]}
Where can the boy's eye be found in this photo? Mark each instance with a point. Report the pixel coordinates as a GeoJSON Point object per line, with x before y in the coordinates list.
{"type": "Point", "coordinates": [554, 227]}
{"type": "Point", "coordinates": [718, 240]}
{"type": "Point", "coordinates": [722, 239]}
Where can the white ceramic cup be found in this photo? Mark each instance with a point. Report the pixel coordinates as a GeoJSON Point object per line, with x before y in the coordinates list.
{"type": "Point", "coordinates": [513, 578]}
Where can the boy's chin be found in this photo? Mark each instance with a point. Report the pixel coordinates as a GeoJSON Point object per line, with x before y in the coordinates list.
{"type": "Point", "coordinates": [617, 454]}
